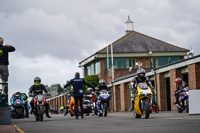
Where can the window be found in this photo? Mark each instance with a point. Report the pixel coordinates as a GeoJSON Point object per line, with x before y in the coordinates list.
{"type": "Point", "coordinates": [120, 63]}
{"type": "Point", "coordinates": [167, 60]}
{"type": "Point", "coordinates": [97, 67]}
{"type": "Point", "coordinates": [132, 63]}
{"type": "Point", "coordinates": [152, 62]}
{"type": "Point", "coordinates": [93, 68]}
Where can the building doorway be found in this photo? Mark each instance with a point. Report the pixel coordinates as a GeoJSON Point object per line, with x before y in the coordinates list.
{"type": "Point", "coordinates": [185, 77]}
{"type": "Point", "coordinates": [168, 94]}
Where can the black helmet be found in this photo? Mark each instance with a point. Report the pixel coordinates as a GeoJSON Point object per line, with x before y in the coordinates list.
{"type": "Point", "coordinates": [102, 81]}
{"type": "Point", "coordinates": [139, 71]}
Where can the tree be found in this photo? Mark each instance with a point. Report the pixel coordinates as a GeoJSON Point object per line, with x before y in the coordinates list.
{"type": "Point", "coordinates": [91, 79]}
{"type": "Point", "coordinates": [60, 89]}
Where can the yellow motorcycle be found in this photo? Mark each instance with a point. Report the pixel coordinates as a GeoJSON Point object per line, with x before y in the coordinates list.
{"type": "Point", "coordinates": [142, 100]}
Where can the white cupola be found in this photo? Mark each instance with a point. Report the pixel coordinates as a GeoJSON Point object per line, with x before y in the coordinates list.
{"type": "Point", "coordinates": [128, 25]}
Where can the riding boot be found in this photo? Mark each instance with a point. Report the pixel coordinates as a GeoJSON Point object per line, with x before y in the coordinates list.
{"type": "Point", "coordinates": [47, 114]}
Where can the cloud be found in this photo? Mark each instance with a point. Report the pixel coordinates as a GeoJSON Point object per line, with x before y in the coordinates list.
{"type": "Point", "coordinates": [51, 37]}
{"type": "Point", "coordinates": [50, 69]}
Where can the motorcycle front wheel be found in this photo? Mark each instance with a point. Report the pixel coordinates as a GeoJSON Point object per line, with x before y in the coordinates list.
{"type": "Point", "coordinates": [146, 110]}
{"type": "Point", "coordinates": [41, 114]}
{"type": "Point", "coordinates": [105, 109]}
{"type": "Point", "coordinates": [187, 106]}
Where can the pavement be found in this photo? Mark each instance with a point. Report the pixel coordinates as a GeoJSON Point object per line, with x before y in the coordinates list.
{"type": "Point", "coordinates": [118, 122]}
{"type": "Point", "coordinates": [8, 129]}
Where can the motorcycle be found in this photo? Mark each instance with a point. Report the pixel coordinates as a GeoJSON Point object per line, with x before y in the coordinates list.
{"type": "Point", "coordinates": [17, 110]}
{"type": "Point", "coordinates": [154, 106]}
{"type": "Point", "coordinates": [39, 107]}
{"type": "Point", "coordinates": [183, 103]}
{"type": "Point", "coordinates": [102, 104]}
{"type": "Point", "coordinates": [142, 101]}
{"type": "Point", "coordinates": [71, 105]}
{"type": "Point", "coordinates": [88, 102]}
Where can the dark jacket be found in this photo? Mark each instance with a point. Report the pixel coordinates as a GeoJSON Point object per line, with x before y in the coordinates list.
{"type": "Point", "coordinates": [104, 87]}
{"type": "Point", "coordinates": [37, 89]}
{"type": "Point", "coordinates": [77, 84]}
{"type": "Point", "coordinates": [4, 54]}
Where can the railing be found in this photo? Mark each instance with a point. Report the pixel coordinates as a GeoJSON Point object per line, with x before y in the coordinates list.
{"type": "Point", "coordinates": [4, 98]}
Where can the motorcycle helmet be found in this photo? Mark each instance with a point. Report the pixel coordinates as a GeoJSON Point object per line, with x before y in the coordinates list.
{"type": "Point", "coordinates": [37, 79]}
{"type": "Point", "coordinates": [90, 89]}
{"type": "Point", "coordinates": [102, 81]}
{"type": "Point", "coordinates": [178, 81]}
{"type": "Point", "coordinates": [17, 93]}
{"type": "Point", "coordinates": [141, 71]}
{"type": "Point", "coordinates": [184, 84]}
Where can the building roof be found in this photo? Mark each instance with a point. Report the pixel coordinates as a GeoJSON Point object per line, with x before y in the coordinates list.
{"type": "Point", "coordinates": [135, 42]}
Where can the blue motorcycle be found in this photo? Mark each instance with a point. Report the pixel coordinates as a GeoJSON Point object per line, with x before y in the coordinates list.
{"type": "Point", "coordinates": [102, 103]}
{"type": "Point", "coordinates": [183, 103]}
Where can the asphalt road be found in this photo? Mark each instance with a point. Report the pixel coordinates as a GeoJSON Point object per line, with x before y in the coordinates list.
{"type": "Point", "coordinates": [162, 122]}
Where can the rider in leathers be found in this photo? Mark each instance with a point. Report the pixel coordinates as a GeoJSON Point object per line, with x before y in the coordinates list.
{"type": "Point", "coordinates": [138, 79]}
{"type": "Point", "coordinates": [38, 88]}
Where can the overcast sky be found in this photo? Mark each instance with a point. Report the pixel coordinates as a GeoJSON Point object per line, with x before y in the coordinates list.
{"type": "Point", "coordinates": [52, 36]}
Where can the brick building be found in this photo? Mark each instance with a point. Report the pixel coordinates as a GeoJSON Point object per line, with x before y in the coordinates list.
{"type": "Point", "coordinates": [129, 49]}
{"type": "Point", "coordinates": [162, 78]}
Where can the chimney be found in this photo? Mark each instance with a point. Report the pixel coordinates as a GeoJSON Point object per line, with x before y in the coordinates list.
{"type": "Point", "coordinates": [128, 25]}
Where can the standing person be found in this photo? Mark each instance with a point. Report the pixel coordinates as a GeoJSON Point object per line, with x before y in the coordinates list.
{"type": "Point", "coordinates": [4, 50]}
{"type": "Point", "coordinates": [77, 84]}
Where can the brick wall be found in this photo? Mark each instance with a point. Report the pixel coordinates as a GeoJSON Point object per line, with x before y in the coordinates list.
{"type": "Point", "coordinates": [145, 62]}
{"type": "Point", "coordinates": [161, 93]}
{"type": "Point", "coordinates": [174, 73]}
{"type": "Point", "coordinates": [194, 76]}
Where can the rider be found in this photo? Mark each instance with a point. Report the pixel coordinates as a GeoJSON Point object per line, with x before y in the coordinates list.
{"type": "Point", "coordinates": [15, 96]}
{"type": "Point", "coordinates": [38, 88]}
{"type": "Point", "coordinates": [102, 86]}
{"type": "Point", "coordinates": [25, 98]}
{"type": "Point", "coordinates": [136, 80]}
{"type": "Point", "coordinates": [178, 82]}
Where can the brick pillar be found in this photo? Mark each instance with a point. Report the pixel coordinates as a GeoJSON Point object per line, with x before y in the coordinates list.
{"type": "Point", "coordinates": [65, 100]}
{"type": "Point", "coordinates": [122, 100]}
{"type": "Point", "coordinates": [102, 74]}
{"type": "Point", "coordinates": [54, 104]}
{"type": "Point", "coordinates": [194, 76]}
{"type": "Point", "coordinates": [174, 73]}
{"type": "Point", "coordinates": [116, 99]}
{"type": "Point", "coordinates": [62, 98]}
{"type": "Point", "coordinates": [161, 93]}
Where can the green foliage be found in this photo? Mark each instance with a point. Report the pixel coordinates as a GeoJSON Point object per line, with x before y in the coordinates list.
{"type": "Point", "coordinates": [60, 89]}
{"type": "Point", "coordinates": [68, 89]}
{"type": "Point", "coordinates": [91, 79]}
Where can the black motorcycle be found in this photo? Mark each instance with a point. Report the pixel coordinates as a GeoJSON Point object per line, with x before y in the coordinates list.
{"type": "Point", "coordinates": [17, 110]}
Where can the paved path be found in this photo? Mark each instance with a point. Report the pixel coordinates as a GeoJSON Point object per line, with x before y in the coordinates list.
{"type": "Point", "coordinates": [169, 122]}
